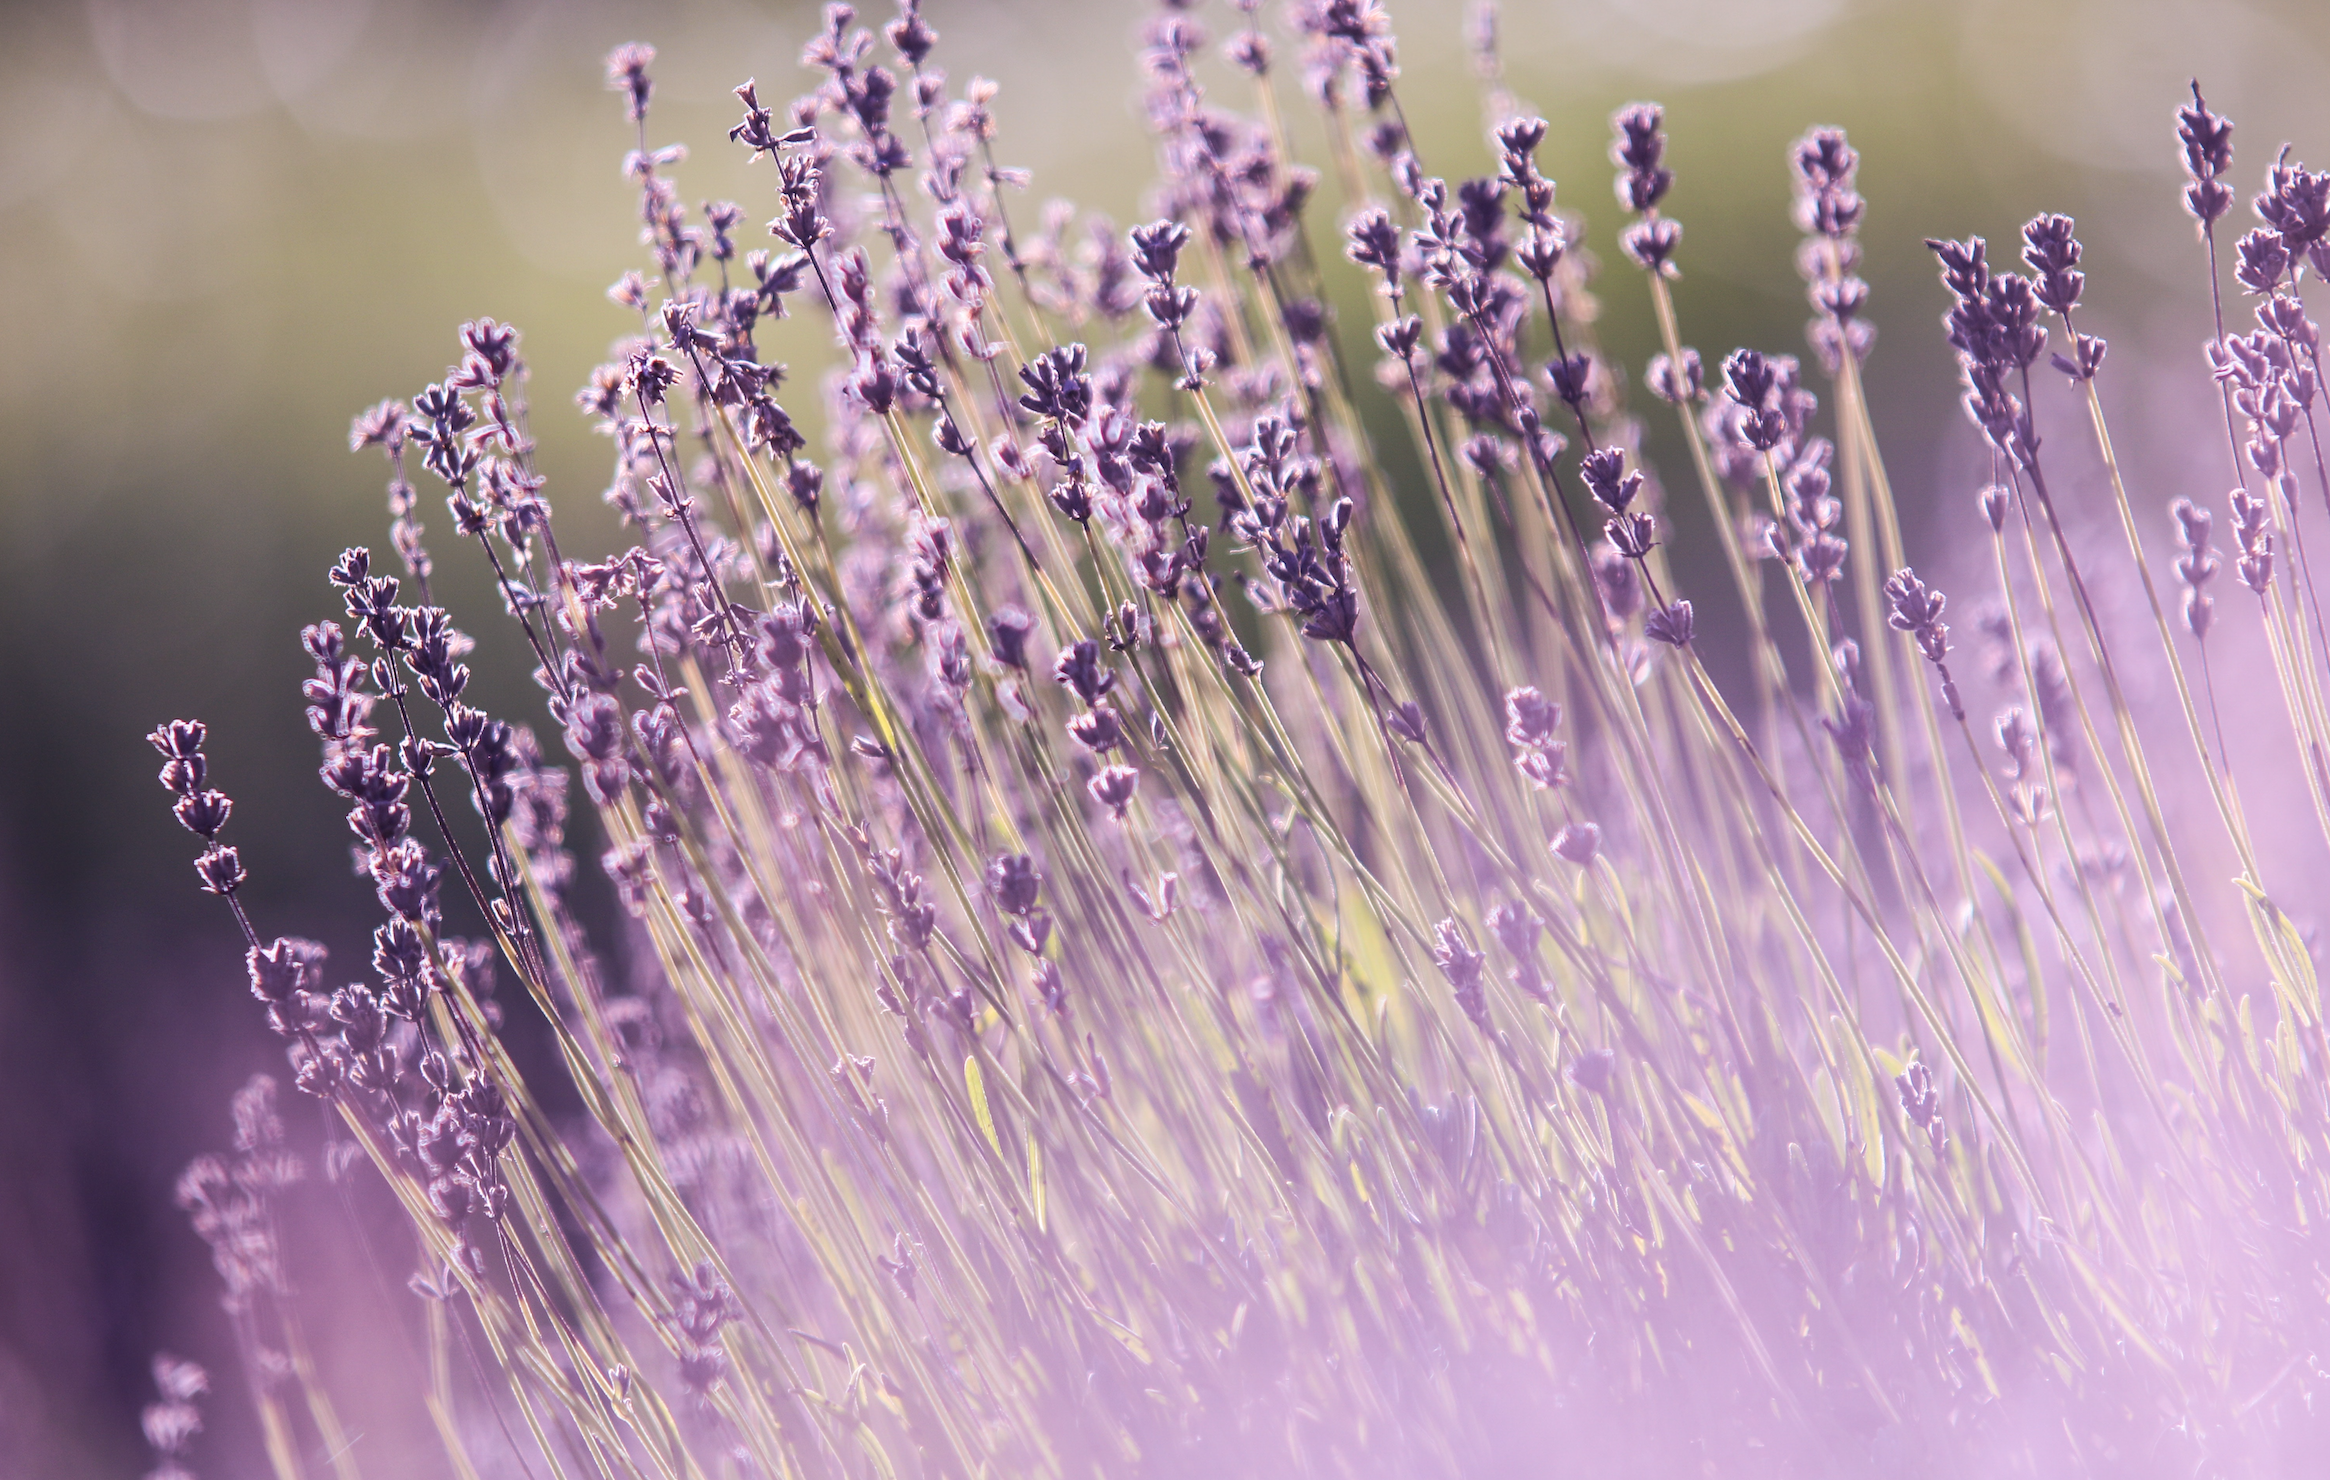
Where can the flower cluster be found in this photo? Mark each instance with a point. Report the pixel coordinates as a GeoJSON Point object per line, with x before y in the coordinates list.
{"type": "Point", "coordinates": [1433, 956]}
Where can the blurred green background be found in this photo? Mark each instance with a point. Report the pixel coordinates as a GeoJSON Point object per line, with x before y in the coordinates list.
{"type": "Point", "coordinates": [225, 225]}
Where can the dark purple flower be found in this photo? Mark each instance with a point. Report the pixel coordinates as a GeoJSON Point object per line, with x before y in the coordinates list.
{"type": "Point", "coordinates": [2264, 257]}
{"type": "Point", "coordinates": [1541, 254]}
{"type": "Point", "coordinates": [2052, 253]}
{"type": "Point", "coordinates": [383, 425]}
{"type": "Point", "coordinates": [1651, 244]}
{"type": "Point", "coordinates": [1530, 718]}
{"type": "Point", "coordinates": [180, 740]}
{"type": "Point", "coordinates": [1965, 272]}
{"type": "Point", "coordinates": [1113, 788]}
{"type": "Point", "coordinates": [1751, 380]}
{"type": "Point", "coordinates": [911, 35]}
{"type": "Point", "coordinates": [627, 74]}
{"type": "Point", "coordinates": [1007, 634]}
{"type": "Point", "coordinates": [1670, 624]}
{"type": "Point", "coordinates": [1571, 377]}
{"type": "Point", "coordinates": [2208, 154]}
{"type": "Point", "coordinates": [1824, 165]}
{"type": "Point", "coordinates": [1399, 337]}
{"type": "Point", "coordinates": [1632, 535]}
{"type": "Point", "coordinates": [221, 870]}
{"type": "Point", "coordinates": [1604, 471]}
{"type": "Point", "coordinates": [203, 813]}
{"type": "Point", "coordinates": [1578, 842]}
{"type": "Point", "coordinates": [1097, 729]}
{"type": "Point", "coordinates": [1639, 149]}
{"type": "Point", "coordinates": [1680, 384]}
{"type": "Point", "coordinates": [1461, 964]}
{"type": "Point", "coordinates": [1079, 668]}
{"type": "Point", "coordinates": [285, 966]}
{"type": "Point", "coordinates": [1921, 1102]}
{"type": "Point", "coordinates": [2295, 203]}
{"type": "Point", "coordinates": [1157, 250]}
{"type": "Point", "coordinates": [1058, 387]}
{"type": "Point", "coordinates": [1373, 241]}
{"type": "Point", "coordinates": [1013, 882]}
{"type": "Point", "coordinates": [1517, 141]}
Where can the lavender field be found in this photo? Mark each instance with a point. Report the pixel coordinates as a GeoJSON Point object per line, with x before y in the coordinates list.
{"type": "Point", "coordinates": [1200, 740]}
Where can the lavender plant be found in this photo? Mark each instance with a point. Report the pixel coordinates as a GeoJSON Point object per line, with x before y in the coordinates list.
{"type": "Point", "coordinates": [1155, 941]}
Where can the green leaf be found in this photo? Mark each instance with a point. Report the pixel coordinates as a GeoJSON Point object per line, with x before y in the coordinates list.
{"type": "Point", "coordinates": [977, 1082]}
{"type": "Point", "coordinates": [1035, 1176]}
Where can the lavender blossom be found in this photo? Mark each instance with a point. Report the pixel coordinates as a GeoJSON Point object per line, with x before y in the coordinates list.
{"type": "Point", "coordinates": [966, 1030]}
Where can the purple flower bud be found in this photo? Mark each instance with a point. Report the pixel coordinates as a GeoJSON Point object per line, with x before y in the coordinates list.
{"type": "Point", "coordinates": [1639, 148]}
{"type": "Point", "coordinates": [1113, 788]}
{"type": "Point", "coordinates": [203, 813]}
{"type": "Point", "coordinates": [1541, 254]}
{"type": "Point", "coordinates": [1530, 718]}
{"type": "Point", "coordinates": [627, 74]}
{"type": "Point", "coordinates": [1965, 266]}
{"type": "Point", "coordinates": [383, 425]}
{"type": "Point", "coordinates": [1516, 929]}
{"type": "Point", "coordinates": [2296, 204]}
{"type": "Point", "coordinates": [1679, 385]}
{"type": "Point", "coordinates": [1097, 729]}
{"type": "Point", "coordinates": [285, 966]}
{"type": "Point", "coordinates": [1631, 535]}
{"type": "Point", "coordinates": [2052, 253]}
{"type": "Point", "coordinates": [180, 739]}
{"type": "Point", "coordinates": [1651, 244]}
{"type": "Point", "coordinates": [1670, 624]}
{"type": "Point", "coordinates": [1399, 337]}
{"type": "Point", "coordinates": [1013, 881]}
{"type": "Point", "coordinates": [1079, 668]}
{"type": "Point", "coordinates": [1571, 377]}
{"type": "Point", "coordinates": [221, 870]}
{"type": "Point", "coordinates": [2208, 154]}
{"type": "Point", "coordinates": [1461, 964]}
{"type": "Point", "coordinates": [1157, 250]}
{"type": "Point", "coordinates": [397, 952]}
{"type": "Point", "coordinates": [651, 377]}
{"type": "Point", "coordinates": [1593, 1070]}
{"type": "Point", "coordinates": [1058, 387]}
{"type": "Point", "coordinates": [2264, 257]}
{"type": "Point", "coordinates": [1604, 471]}
{"type": "Point", "coordinates": [1578, 842]}
{"type": "Point", "coordinates": [1518, 138]}
{"type": "Point", "coordinates": [1007, 632]}
{"type": "Point", "coordinates": [184, 776]}
{"type": "Point", "coordinates": [911, 36]}
{"type": "Point", "coordinates": [1749, 379]}
{"type": "Point", "coordinates": [1914, 605]}
{"type": "Point", "coordinates": [1995, 501]}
